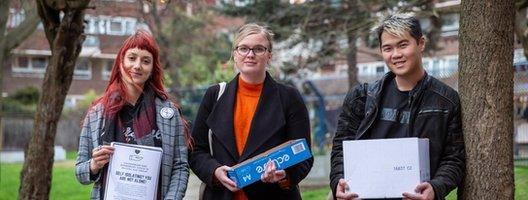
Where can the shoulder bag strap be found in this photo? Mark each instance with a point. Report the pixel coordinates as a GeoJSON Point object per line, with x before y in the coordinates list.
{"type": "Point", "coordinates": [210, 134]}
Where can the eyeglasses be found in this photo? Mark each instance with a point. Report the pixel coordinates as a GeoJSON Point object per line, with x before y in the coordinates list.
{"type": "Point", "coordinates": [257, 50]}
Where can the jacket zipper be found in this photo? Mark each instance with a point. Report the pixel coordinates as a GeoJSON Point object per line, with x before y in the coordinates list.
{"type": "Point", "coordinates": [411, 114]}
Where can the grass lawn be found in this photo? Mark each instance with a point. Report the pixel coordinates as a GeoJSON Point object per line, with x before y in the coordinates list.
{"type": "Point", "coordinates": [521, 188]}
{"type": "Point", "coordinates": [65, 186]}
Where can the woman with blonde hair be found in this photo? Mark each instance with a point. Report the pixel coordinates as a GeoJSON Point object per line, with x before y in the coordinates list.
{"type": "Point", "coordinates": [254, 114]}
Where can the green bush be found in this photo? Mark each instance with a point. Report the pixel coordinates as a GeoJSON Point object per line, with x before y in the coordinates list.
{"type": "Point", "coordinates": [22, 101]}
{"type": "Point", "coordinates": [28, 96]}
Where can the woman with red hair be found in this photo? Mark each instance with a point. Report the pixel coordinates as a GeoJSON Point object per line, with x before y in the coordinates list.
{"type": "Point", "coordinates": [135, 109]}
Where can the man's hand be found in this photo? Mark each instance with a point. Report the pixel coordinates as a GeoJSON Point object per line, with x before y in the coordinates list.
{"type": "Point", "coordinates": [424, 191]}
{"type": "Point", "coordinates": [221, 175]}
{"type": "Point", "coordinates": [341, 191]}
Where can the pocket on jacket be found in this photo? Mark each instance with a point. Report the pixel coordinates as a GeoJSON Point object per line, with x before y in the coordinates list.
{"type": "Point", "coordinates": [433, 111]}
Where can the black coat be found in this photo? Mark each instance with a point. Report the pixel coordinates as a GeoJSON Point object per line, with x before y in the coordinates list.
{"type": "Point", "coordinates": [280, 116]}
{"type": "Point", "coordinates": [435, 114]}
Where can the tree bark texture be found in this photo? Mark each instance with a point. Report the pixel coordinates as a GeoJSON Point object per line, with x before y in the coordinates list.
{"type": "Point", "coordinates": [486, 90]}
{"type": "Point", "coordinates": [4, 13]}
{"type": "Point", "coordinates": [352, 60]}
{"type": "Point", "coordinates": [65, 36]}
{"type": "Point", "coordinates": [352, 37]}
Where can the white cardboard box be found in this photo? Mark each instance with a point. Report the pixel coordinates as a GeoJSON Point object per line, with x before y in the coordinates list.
{"type": "Point", "coordinates": [385, 168]}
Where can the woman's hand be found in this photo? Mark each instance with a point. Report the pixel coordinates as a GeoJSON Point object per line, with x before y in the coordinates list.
{"type": "Point", "coordinates": [100, 156]}
{"type": "Point", "coordinates": [271, 174]}
{"type": "Point", "coordinates": [221, 175]}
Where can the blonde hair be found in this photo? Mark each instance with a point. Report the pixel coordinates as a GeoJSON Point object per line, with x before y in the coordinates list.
{"type": "Point", "coordinates": [250, 29]}
{"type": "Point", "coordinates": [397, 24]}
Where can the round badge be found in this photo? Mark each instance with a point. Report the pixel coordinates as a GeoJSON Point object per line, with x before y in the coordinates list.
{"type": "Point", "coordinates": [167, 112]}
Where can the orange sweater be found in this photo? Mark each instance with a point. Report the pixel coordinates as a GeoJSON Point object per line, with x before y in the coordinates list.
{"type": "Point", "coordinates": [247, 98]}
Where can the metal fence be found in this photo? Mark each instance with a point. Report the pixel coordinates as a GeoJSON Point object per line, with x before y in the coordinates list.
{"type": "Point", "coordinates": [18, 127]}
{"type": "Point", "coordinates": [520, 89]}
{"type": "Point", "coordinates": [323, 97]}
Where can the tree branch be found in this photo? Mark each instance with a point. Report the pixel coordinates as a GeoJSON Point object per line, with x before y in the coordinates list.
{"type": "Point", "coordinates": [50, 20]}
{"type": "Point", "coordinates": [4, 15]}
{"type": "Point", "coordinates": [521, 29]}
{"type": "Point", "coordinates": [18, 34]}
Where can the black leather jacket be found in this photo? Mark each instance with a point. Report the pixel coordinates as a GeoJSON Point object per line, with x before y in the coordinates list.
{"type": "Point", "coordinates": [435, 114]}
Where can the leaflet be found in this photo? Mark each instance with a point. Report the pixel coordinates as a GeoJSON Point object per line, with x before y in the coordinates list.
{"type": "Point", "coordinates": [133, 172]}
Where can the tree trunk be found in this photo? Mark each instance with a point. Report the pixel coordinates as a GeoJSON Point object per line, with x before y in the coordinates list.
{"type": "Point", "coordinates": [11, 40]}
{"type": "Point", "coordinates": [65, 36]}
{"type": "Point", "coordinates": [156, 26]}
{"type": "Point", "coordinates": [435, 30]}
{"type": "Point", "coordinates": [352, 36]}
{"type": "Point", "coordinates": [486, 89]}
{"type": "Point", "coordinates": [4, 13]}
{"type": "Point", "coordinates": [352, 60]}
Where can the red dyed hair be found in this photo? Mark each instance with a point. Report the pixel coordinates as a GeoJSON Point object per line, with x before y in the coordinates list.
{"type": "Point", "coordinates": [115, 95]}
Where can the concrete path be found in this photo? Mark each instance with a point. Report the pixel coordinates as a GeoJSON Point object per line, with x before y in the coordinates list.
{"type": "Point", "coordinates": [193, 186]}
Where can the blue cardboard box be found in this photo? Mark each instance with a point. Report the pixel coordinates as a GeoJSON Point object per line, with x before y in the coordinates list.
{"type": "Point", "coordinates": [284, 156]}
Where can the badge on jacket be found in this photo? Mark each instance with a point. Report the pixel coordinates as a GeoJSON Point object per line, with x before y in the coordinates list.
{"type": "Point", "coordinates": [167, 112]}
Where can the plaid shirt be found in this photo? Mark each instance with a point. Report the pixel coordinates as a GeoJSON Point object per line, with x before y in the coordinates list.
{"type": "Point", "coordinates": [174, 168]}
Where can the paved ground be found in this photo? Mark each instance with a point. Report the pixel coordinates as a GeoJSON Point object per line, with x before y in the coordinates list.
{"type": "Point", "coordinates": [317, 178]}
{"type": "Point", "coordinates": [194, 186]}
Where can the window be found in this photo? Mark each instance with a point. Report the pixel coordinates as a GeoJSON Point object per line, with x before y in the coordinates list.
{"type": "Point", "coordinates": [518, 56]}
{"type": "Point", "coordinates": [435, 70]}
{"type": "Point", "coordinates": [380, 70]}
{"type": "Point", "coordinates": [130, 26]}
{"type": "Point", "coordinates": [450, 23]}
{"type": "Point", "coordinates": [23, 65]}
{"type": "Point", "coordinates": [91, 41]}
{"type": "Point", "coordinates": [22, 62]}
{"type": "Point", "coordinates": [90, 27]}
{"type": "Point", "coordinates": [452, 65]}
{"type": "Point", "coordinates": [15, 17]}
{"type": "Point", "coordinates": [110, 25]}
{"type": "Point", "coordinates": [39, 63]}
{"type": "Point", "coordinates": [242, 2]}
{"type": "Point", "coordinates": [101, 26]}
{"type": "Point", "coordinates": [115, 27]}
{"type": "Point", "coordinates": [83, 69]}
{"type": "Point", "coordinates": [425, 64]}
{"type": "Point", "coordinates": [365, 70]}
{"type": "Point", "coordinates": [425, 23]}
{"type": "Point", "coordinates": [107, 69]}
{"type": "Point", "coordinates": [335, 3]}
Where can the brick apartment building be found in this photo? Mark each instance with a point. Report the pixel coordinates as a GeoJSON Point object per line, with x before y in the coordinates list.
{"type": "Point", "coordinates": [442, 64]}
{"type": "Point", "coordinates": [332, 81]}
{"type": "Point", "coordinates": [107, 26]}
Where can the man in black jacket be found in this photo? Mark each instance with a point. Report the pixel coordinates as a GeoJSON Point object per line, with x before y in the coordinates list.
{"type": "Point", "coordinates": [406, 102]}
